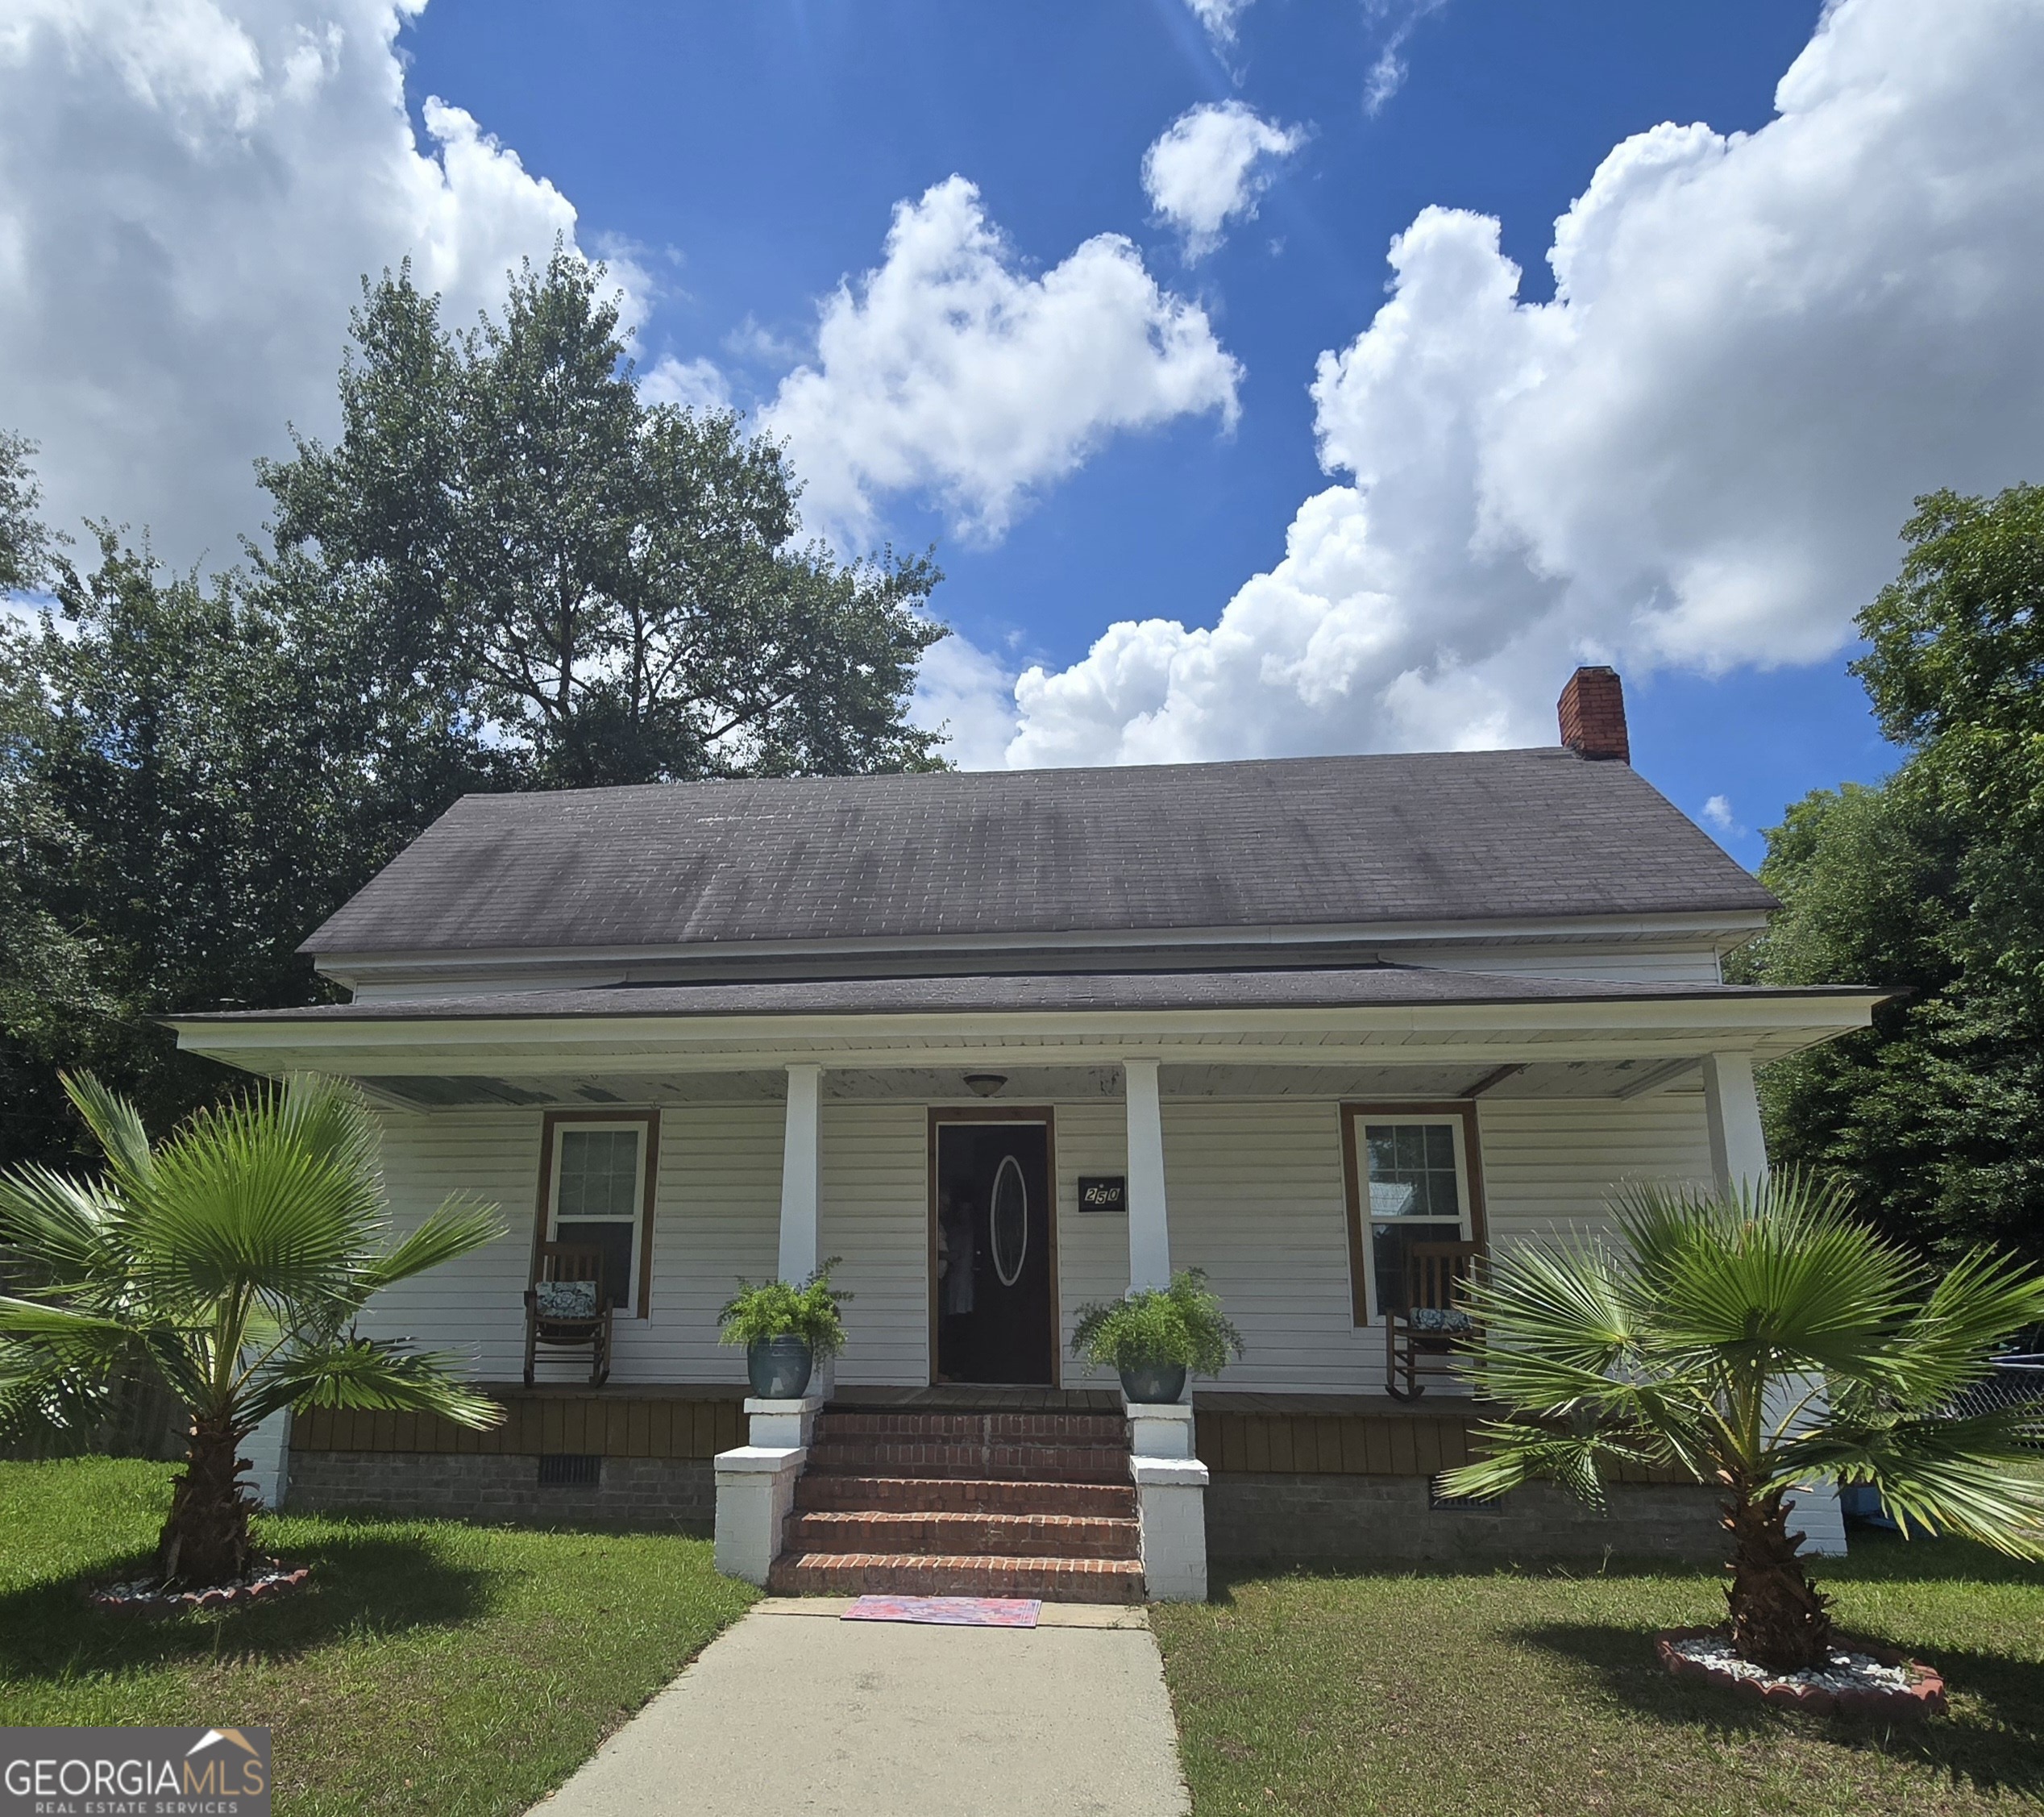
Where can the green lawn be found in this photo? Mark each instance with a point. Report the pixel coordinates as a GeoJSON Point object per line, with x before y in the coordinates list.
{"type": "Point", "coordinates": [431, 1667]}
{"type": "Point", "coordinates": [1528, 1694]}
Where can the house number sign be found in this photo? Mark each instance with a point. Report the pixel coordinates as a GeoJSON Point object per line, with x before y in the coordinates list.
{"type": "Point", "coordinates": [1102, 1192]}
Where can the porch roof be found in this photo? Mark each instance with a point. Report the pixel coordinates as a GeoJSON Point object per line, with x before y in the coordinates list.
{"type": "Point", "coordinates": [982, 993]}
{"type": "Point", "coordinates": [1375, 1015]}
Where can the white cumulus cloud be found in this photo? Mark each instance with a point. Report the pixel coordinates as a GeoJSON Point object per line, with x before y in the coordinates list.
{"type": "Point", "coordinates": [1210, 166]}
{"type": "Point", "coordinates": [1718, 816]}
{"type": "Point", "coordinates": [696, 385]}
{"type": "Point", "coordinates": [950, 373]}
{"type": "Point", "coordinates": [190, 191]}
{"type": "Point", "coordinates": [1697, 454]}
{"type": "Point", "coordinates": [968, 694]}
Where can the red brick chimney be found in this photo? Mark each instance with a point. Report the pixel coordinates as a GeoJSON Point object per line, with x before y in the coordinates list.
{"type": "Point", "coordinates": [1592, 708]}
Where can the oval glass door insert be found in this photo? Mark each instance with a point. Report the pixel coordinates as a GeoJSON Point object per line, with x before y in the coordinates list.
{"type": "Point", "coordinates": [1009, 1220]}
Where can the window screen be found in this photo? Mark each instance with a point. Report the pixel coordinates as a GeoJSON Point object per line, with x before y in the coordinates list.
{"type": "Point", "coordinates": [596, 1201]}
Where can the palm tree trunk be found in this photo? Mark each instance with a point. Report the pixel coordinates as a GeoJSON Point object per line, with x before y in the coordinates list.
{"type": "Point", "coordinates": [1778, 1618]}
{"type": "Point", "coordinates": [206, 1539]}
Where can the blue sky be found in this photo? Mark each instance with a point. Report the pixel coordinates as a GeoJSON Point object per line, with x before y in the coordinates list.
{"type": "Point", "coordinates": [762, 147]}
{"type": "Point", "coordinates": [1803, 285]}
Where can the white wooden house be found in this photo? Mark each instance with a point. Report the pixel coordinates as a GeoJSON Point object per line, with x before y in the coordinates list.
{"type": "Point", "coordinates": [1006, 1043]}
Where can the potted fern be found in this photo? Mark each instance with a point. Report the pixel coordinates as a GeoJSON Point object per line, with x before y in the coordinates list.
{"type": "Point", "coordinates": [786, 1331]}
{"type": "Point", "coordinates": [1154, 1336]}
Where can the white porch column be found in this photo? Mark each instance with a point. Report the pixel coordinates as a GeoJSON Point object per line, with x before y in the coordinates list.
{"type": "Point", "coordinates": [1149, 1231]}
{"type": "Point", "coordinates": [1738, 1151]}
{"type": "Point", "coordinates": [798, 1253]}
{"type": "Point", "coordinates": [1738, 1159]}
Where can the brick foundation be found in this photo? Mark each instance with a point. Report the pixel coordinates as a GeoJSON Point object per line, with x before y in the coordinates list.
{"type": "Point", "coordinates": [654, 1492]}
{"type": "Point", "coordinates": [1273, 1519]}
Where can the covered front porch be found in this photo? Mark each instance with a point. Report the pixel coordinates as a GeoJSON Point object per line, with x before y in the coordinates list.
{"type": "Point", "coordinates": [1234, 1140]}
{"type": "Point", "coordinates": [1290, 1149]}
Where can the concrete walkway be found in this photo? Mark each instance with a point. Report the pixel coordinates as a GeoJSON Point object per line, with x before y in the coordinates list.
{"type": "Point", "coordinates": [794, 1710]}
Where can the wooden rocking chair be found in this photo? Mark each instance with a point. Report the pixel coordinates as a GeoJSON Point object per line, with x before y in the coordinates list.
{"type": "Point", "coordinates": [1434, 1320]}
{"type": "Point", "coordinates": [568, 1308]}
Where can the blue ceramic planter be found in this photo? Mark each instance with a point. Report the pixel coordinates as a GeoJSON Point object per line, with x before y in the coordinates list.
{"type": "Point", "coordinates": [1153, 1382]}
{"type": "Point", "coordinates": [779, 1366]}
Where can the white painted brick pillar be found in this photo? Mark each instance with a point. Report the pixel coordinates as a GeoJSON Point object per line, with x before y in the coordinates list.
{"type": "Point", "coordinates": [755, 1493]}
{"type": "Point", "coordinates": [1738, 1161]}
{"type": "Point", "coordinates": [1170, 1501]}
{"type": "Point", "coordinates": [755, 1482]}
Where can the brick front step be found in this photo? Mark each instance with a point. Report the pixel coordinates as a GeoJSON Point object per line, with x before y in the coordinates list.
{"type": "Point", "coordinates": [1053, 1580]}
{"type": "Point", "coordinates": [980, 1428]}
{"type": "Point", "coordinates": [912, 1456]}
{"type": "Point", "coordinates": [1035, 1536]}
{"type": "Point", "coordinates": [817, 1492]}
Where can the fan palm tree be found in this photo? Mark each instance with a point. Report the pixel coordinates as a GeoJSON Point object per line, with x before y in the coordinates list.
{"type": "Point", "coordinates": [233, 1258]}
{"type": "Point", "coordinates": [1760, 1340]}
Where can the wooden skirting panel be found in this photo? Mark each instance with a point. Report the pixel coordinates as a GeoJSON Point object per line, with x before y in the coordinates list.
{"type": "Point", "coordinates": [1373, 1443]}
{"type": "Point", "coordinates": [607, 1425]}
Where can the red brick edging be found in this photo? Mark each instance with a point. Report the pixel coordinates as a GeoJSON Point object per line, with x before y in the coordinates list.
{"type": "Point", "coordinates": [1924, 1695]}
{"type": "Point", "coordinates": [221, 1596]}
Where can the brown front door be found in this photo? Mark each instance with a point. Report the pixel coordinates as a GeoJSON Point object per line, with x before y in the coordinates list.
{"type": "Point", "coordinates": [991, 1241]}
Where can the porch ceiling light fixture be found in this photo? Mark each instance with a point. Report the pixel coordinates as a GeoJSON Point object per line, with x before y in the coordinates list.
{"type": "Point", "coordinates": [984, 1084]}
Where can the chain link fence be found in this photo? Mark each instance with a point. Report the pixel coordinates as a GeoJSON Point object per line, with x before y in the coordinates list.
{"type": "Point", "coordinates": [2016, 1383]}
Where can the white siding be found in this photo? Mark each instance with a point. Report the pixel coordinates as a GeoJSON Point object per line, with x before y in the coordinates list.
{"type": "Point", "coordinates": [716, 1220]}
{"type": "Point", "coordinates": [1550, 1163]}
{"type": "Point", "coordinates": [1257, 1200]}
{"type": "Point", "coordinates": [1255, 1191]}
{"type": "Point", "coordinates": [471, 1307]}
{"type": "Point", "coordinates": [876, 1215]}
{"type": "Point", "coordinates": [1092, 1246]}
{"type": "Point", "coordinates": [715, 1210]}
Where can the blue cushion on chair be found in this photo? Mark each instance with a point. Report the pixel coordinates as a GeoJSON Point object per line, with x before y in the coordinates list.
{"type": "Point", "coordinates": [1440, 1318]}
{"type": "Point", "coordinates": [566, 1299]}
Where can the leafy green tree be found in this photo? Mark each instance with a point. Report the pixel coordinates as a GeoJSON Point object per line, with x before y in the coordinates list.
{"type": "Point", "coordinates": [26, 543]}
{"type": "Point", "coordinates": [600, 590]}
{"type": "Point", "coordinates": [1694, 1344]}
{"type": "Point", "coordinates": [49, 997]}
{"type": "Point", "coordinates": [234, 1259]}
{"type": "Point", "coordinates": [186, 786]}
{"type": "Point", "coordinates": [507, 572]}
{"type": "Point", "coordinates": [183, 814]}
{"type": "Point", "coordinates": [1933, 882]}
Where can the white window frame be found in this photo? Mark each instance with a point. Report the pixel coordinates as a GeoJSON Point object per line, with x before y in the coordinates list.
{"type": "Point", "coordinates": [1355, 1119]}
{"type": "Point", "coordinates": [645, 1127]}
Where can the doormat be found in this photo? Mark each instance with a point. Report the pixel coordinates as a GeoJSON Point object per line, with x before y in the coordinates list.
{"type": "Point", "coordinates": [949, 1611]}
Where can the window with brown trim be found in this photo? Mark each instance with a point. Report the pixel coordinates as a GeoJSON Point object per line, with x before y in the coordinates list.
{"type": "Point", "coordinates": [1412, 1174]}
{"type": "Point", "coordinates": [596, 1174]}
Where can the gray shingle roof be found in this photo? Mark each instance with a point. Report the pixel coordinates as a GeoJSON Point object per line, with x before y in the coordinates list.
{"type": "Point", "coordinates": [1283, 843]}
{"type": "Point", "coordinates": [1352, 986]}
